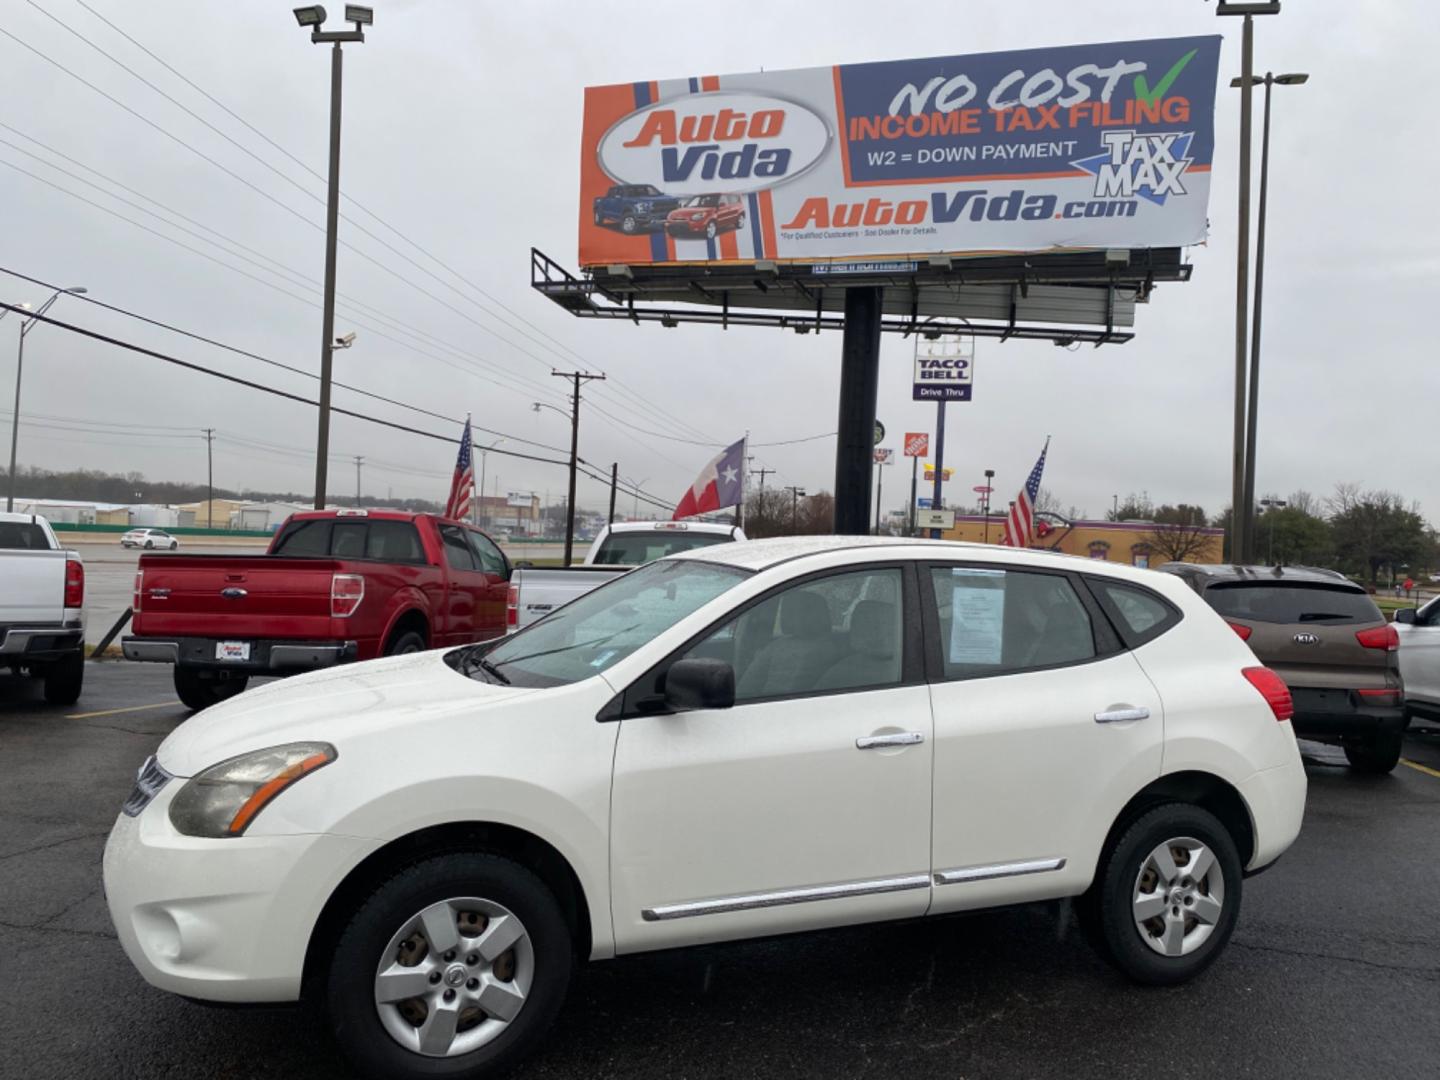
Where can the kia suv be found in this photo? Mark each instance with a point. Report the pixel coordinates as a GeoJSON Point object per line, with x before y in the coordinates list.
{"type": "Point", "coordinates": [1325, 637]}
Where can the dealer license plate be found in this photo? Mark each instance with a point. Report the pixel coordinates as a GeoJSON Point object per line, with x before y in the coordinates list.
{"type": "Point", "coordinates": [232, 650]}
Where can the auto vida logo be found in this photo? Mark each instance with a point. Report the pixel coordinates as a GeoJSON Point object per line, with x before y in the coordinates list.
{"type": "Point", "coordinates": [727, 142]}
{"type": "Point", "coordinates": [1307, 639]}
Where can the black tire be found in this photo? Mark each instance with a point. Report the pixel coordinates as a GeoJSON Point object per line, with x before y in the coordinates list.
{"type": "Point", "coordinates": [174, 544]}
{"type": "Point", "coordinates": [412, 641]}
{"type": "Point", "coordinates": [740, 221]}
{"type": "Point", "coordinates": [199, 690]}
{"type": "Point", "coordinates": [1375, 755]}
{"type": "Point", "coordinates": [149, 544]}
{"type": "Point", "coordinates": [628, 224]}
{"type": "Point", "coordinates": [348, 995]}
{"type": "Point", "coordinates": [1116, 880]}
{"type": "Point", "coordinates": [599, 218]}
{"type": "Point", "coordinates": [64, 679]}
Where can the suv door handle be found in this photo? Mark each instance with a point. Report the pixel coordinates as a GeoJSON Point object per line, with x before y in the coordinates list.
{"type": "Point", "coordinates": [876, 742]}
{"type": "Point", "coordinates": [1121, 713]}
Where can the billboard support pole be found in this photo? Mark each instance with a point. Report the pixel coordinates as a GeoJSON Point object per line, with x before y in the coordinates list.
{"type": "Point", "coordinates": [879, 488]}
{"type": "Point", "coordinates": [937, 501]}
{"type": "Point", "coordinates": [859, 385]}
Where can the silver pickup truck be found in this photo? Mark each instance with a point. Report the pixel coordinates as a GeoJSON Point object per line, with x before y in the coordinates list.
{"type": "Point", "coordinates": [537, 591]}
{"type": "Point", "coordinates": [42, 594]}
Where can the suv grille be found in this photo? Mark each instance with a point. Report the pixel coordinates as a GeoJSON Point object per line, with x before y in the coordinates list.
{"type": "Point", "coordinates": [148, 782]}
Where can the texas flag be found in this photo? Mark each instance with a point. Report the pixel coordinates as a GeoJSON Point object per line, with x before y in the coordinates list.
{"type": "Point", "coordinates": [719, 484]}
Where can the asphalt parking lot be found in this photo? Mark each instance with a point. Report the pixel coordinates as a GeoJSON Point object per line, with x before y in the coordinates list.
{"type": "Point", "coordinates": [1334, 970]}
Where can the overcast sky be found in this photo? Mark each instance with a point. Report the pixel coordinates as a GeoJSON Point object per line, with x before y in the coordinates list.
{"type": "Point", "coordinates": [462, 131]}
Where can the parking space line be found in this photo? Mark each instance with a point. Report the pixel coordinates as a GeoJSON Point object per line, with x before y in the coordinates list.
{"type": "Point", "coordinates": [1421, 768]}
{"type": "Point", "coordinates": [117, 712]}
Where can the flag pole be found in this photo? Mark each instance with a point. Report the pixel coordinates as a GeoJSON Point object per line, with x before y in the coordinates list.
{"type": "Point", "coordinates": [475, 498]}
{"type": "Point", "coordinates": [744, 457]}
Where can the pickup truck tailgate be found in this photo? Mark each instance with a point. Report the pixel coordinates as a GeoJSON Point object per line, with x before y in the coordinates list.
{"type": "Point", "coordinates": [34, 589]}
{"type": "Point", "coordinates": [234, 596]}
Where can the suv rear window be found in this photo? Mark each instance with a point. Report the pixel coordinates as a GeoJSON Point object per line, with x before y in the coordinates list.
{"type": "Point", "coordinates": [22, 536]}
{"type": "Point", "coordinates": [638, 548]}
{"type": "Point", "coordinates": [1292, 602]}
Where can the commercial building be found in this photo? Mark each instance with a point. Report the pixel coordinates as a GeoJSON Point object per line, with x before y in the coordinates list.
{"type": "Point", "coordinates": [1137, 543]}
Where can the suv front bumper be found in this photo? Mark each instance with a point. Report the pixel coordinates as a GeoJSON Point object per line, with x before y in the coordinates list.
{"type": "Point", "coordinates": [1323, 712]}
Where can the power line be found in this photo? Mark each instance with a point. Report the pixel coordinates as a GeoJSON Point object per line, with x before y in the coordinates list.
{"type": "Point", "coordinates": [267, 360]}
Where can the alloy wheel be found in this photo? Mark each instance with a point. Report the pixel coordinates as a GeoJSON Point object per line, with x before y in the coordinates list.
{"type": "Point", "coordinates": [1178, 897]}
{"type": "Point", "coordinates": [454, 976]}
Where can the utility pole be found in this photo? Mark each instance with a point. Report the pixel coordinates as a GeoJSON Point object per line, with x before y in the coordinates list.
{"type": "Point", "coordinates": [576, 378]}
{"type": "Point", "coordinates": [795, 493]}
{"type": "Point", "coordinates": [312, 17]}
{"type": "Point", "coordinates": [210, 477]}
{"type": "Point", "coordinates": [358, 461]}
{"type": "Point", "coordinates": [614, 479]}
{"type": "Point", "coordinates": [763, 473]}
{"type": "Point", "coordinates": [879, 491]}
{"type": "Point", "coordinates": [914, 489]}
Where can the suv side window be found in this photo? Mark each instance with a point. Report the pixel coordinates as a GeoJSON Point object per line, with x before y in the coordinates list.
{"type": "Point", "coordinates": [487, 554]}
{"type": "Point", "coordinates": [457, 552]}
{"type": "Point", "coordinates": [996, 621]}
{"type": "Point", "coordinates": [1139, 615]}
{"type": "Point", "coordinates": [837, 633]}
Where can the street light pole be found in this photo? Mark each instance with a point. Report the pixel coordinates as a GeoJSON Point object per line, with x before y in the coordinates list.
{"type": "Point", "coordinates": [989, 485]}
{"type": "Point", "coordinates": [1240, 514]}
{"type": "Point", "coordinates": [1292, 79]}
{"type": "Point", "coordinates": [313, 16]}
{"type": "Point", "coordinates": [26, 326]}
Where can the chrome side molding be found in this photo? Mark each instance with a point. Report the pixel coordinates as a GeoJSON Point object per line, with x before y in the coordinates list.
{"type": "Point", "coordinates": [999, 870]}
{"type": "Point", "coordinates": [723, 904]}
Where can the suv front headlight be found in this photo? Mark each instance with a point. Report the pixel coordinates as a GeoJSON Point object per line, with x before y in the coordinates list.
{"type": "Point", "coordinates": [224, 799]}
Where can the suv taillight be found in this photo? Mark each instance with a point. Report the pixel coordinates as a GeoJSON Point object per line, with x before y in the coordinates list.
{"type": "Point", "coordinates": [139, 588]}
{"type": "Point", "coordinates": [74, 583]}
{"type": "Point", "coordinates": [1379, 637]}
{"type": "Point", "coordinates": [1273, 689]}
{"type": "Point", "coordinates": [346, 592]}
{"type": "Point", "coordinates": [512, 607]}
{"type": "Point", "coordinates": [1241, 629]}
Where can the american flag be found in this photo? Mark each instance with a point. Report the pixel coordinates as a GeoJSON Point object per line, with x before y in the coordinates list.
{"type": "Point", "coordinates": [1019, 526]}
{"type": "Point", "coordinates": [462, 488]}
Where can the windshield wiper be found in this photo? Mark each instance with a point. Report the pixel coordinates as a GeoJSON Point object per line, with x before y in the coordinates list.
{"type": "Point", "coordinates": [565, 648]}
{"type": "Point", "coordinates": [473, 661]}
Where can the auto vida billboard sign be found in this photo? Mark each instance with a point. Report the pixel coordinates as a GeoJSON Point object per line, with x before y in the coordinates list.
{"type": "Point", "coordinates": [1082, 146]}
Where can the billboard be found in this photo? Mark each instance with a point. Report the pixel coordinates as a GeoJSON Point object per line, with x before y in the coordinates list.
{"type": "Point", "coordinates": [884, 455]}
{"type": "Point", "coordinates": [930, 473]}
{"type": "Point", "coordinates": [1081, 146]}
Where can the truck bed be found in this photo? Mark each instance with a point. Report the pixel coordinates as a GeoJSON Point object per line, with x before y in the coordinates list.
{"type": "Point", "coordinates": [235, 596]}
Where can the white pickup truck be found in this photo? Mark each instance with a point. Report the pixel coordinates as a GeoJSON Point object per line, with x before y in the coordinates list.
{"type": "Point", "coordinates": [42, 593]}
{"type": "Point", "coordinates": [537, 591]}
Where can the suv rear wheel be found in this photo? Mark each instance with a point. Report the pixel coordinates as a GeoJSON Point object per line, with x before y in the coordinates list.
{"type": "Point", "coordinates": [1167, 894]}
{"type": "Point", "coordinates": [1374, 754]}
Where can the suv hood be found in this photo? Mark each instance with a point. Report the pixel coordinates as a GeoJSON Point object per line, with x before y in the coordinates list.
{"type": "Point", "coordinates": [327, 706]}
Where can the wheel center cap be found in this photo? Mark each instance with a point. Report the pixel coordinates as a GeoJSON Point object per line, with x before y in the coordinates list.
{"type": "Point", "coordinates": [455, 975]}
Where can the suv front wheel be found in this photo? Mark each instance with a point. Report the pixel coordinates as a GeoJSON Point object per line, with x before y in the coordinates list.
{"type": "Point", "coordinates": [454, 967]}
{"type": "Point", "coordinates": [1167, 894]}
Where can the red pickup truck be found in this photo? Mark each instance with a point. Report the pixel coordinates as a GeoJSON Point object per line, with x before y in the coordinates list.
{"type": "Point", "coordinates": [334, 586]}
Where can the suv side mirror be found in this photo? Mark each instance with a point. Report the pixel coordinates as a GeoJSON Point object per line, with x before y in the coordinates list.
{"type": "Point", "coordinates": [1405, 615]}
{"type": "Point", "coordinates": [701, 683]}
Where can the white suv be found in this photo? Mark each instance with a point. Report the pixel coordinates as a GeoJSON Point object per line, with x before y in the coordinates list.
{"type": "Point", "coordinates": [743, 740]}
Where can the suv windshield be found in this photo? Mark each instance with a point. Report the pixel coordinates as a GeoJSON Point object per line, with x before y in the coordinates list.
{"type": "Point", "coordinates": [639, 548]}
{"type": "Point", "coordinates": [1292, 602]}
{"type": "Point", "coordinates": [596, 630]}
{"type": "Point", "coordinates": [703, 200]}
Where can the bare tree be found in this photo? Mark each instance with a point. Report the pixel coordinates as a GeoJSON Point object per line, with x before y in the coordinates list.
{"type": "Point", "coordinates": [1181, 539]}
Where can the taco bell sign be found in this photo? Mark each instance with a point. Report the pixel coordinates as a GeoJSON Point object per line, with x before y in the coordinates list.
{"type": "Point", "coordinates": [944, 369]}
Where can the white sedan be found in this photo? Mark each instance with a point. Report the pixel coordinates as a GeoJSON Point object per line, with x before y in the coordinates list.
{"type": "Point", "coordinates": [149, 538]}
{"type": "Point", "coordinates": [742, 740]}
